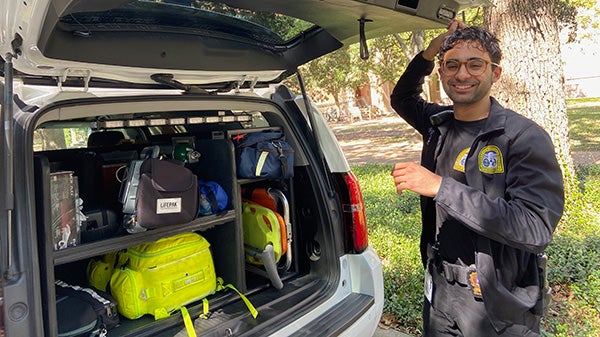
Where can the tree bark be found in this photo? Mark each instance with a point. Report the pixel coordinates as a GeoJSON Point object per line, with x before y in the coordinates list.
{"type": "Point", "coordinates": [532, 81]}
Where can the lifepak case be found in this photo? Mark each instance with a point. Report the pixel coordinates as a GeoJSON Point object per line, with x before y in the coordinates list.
{"type": "Point", "coordinates": [166, 194]}
{"type": "Point", "coordinates": [161, 276]}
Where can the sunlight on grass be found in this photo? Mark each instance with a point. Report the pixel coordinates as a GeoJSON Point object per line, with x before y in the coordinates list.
{"type": "Point", "coordinates": [584, 128]}
{"type": "Point", "coordinates": [575, 101]}
{"type": "Point", "coordinates": [394, 230]}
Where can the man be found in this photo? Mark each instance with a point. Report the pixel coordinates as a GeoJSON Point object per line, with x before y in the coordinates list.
{"type": "Point", "coordinates": [491, 193]}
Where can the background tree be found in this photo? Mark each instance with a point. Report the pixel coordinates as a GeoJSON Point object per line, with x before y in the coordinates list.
{"type": "Point", "coordinates": [389, 61]}
{"type": "Point", "coordinates": [532, 82]}
{"type": "Point", "coordinates": [331, 74]}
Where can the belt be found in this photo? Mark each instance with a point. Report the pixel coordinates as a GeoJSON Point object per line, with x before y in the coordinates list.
{"type": "Point", "coordinates": [455, 273]}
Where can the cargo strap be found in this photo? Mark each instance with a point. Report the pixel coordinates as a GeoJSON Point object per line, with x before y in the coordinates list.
{"type": "Point", "coordinates": [189, 325]}
{"type": "Point", "coordinates": [282, 158]}
{"type": "Point", "coordinates": [249, 305]}
{"type": "Point", "coordinates": [205, 310]}
{"type": "Point", "coordinates": [187, 321]}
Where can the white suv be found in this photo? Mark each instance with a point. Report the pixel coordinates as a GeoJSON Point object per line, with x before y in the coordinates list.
{"type": "Point", "coordinates": [153, 74]}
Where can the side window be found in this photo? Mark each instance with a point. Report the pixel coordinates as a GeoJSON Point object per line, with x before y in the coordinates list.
{"type": "Point", "coordinates": [59, 138]}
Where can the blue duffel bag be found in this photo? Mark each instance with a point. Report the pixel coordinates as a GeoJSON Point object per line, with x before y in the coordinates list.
{"type": "Point", "coordinates": [264, 155]}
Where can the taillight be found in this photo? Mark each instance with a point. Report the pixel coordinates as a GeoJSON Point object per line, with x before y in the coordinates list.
{"type": "Point", "coordinates": [355, 219]}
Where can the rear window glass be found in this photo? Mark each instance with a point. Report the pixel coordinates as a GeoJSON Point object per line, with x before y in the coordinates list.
{"type": "Point", "coordinates": [210, 18]}
{"type": "Point", "coordinates": [56, 138]}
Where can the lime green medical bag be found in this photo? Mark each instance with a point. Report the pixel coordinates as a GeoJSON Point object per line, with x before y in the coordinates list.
{"type": "Point", "coordinates": [159, 277]}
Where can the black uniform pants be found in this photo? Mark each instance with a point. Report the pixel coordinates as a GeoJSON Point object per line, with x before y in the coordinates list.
{"type": "Point", "coordinates": [456, 312]}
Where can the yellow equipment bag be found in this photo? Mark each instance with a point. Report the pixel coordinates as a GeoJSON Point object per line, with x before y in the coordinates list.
{"type": "Point", "coordinates": [261, 228]}
{"type": "Point", "coordinates": [160, 277]}
{"type": "Point", "coordinates": [100, 270]}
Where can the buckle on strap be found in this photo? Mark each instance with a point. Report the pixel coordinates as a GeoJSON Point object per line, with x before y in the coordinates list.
{"type": "Point", "coordinates": [456, 272]}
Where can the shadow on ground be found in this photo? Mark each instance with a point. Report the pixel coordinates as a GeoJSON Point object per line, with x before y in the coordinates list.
{"type": "Point", "coordinates": [388, 140]}
{"type": "Point", "coordinates": [391, 140]}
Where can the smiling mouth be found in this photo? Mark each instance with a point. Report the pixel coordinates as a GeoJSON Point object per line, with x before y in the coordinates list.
{"type": "Point", "coordinates": [463, 87]}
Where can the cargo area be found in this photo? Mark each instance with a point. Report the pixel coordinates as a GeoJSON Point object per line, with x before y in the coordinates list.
{"type": "Point", "coordinates": [79, 208]}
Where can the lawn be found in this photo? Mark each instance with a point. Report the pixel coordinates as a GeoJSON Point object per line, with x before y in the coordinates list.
{"type": "Point", "coordinates": [574, 256]}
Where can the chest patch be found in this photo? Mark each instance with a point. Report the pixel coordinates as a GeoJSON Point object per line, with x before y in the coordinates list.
{"type": "Point", "coordinates": [490, 160]}
{"type": "Point", "coordinates": [459, 163]}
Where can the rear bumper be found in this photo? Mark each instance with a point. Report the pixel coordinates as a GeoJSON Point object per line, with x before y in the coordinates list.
{"type": "Point", "coordinates": [356, 306]}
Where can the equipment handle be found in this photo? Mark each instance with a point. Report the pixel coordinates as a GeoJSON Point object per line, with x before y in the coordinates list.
{"type": "Point", "coordinates": [268, 259]}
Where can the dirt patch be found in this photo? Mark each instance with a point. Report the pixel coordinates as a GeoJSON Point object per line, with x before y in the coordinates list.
{"type": "Point", "coordinates": [586, 157]}
{"type": "Point", "coordinates": [388, 140]}
{"type": "Point", "coordinates": [391, 140]}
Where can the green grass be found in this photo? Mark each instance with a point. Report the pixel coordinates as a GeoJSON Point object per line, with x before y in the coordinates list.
{"type": "Point", "coordinates": [572, 101]}
{"type": "Point", "coordinates": [584, 127]}
{"type": "Point", "coordinates": [394, 229]}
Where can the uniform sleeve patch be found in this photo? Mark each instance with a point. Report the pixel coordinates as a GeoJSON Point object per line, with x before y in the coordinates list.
{"type": "Point", "coordinates": [490, 160]}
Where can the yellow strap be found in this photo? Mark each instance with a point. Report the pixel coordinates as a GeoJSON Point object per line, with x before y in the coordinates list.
{"type": "Point", "coordinates": [189, 326]}
{"type": "Point", "coordinates": [253, 310]}
{"type": "Point", "coordinates": [249, 305]}
{"type": "Point", "coordinates": [205, 311]}
{"type": "Point", "coordinates": [219, 284]}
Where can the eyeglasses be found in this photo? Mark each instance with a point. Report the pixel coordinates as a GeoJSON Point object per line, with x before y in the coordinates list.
{"type": "Point", "coordinates": [475, 66]}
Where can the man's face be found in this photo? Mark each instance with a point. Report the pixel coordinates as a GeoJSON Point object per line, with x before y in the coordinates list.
{"type": "Point", "coordinates": [463, 87]}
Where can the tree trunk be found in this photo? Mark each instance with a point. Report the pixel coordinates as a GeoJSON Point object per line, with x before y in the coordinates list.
{"type": "Point", "coordinates": [417, 43]}
{"type": "Point", "coordinates": [532, 81]}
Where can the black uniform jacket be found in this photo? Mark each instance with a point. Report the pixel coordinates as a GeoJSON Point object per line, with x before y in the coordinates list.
{"type": "Point", "coordinates": [512, 201]}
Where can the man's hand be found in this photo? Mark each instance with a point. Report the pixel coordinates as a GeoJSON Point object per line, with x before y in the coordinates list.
{"type": "Point", "coordinates": [434, 46]}
{"type": "Point", "coordinates": [413, 177]}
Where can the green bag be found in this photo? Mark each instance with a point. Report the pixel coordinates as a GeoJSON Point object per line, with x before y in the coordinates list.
{"type": "Point", "coordinates": [159, 277]}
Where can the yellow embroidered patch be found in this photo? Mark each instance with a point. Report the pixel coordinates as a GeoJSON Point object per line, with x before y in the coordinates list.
{"type": "Point", "coordinates": [459, 163]}
{"type": "Point", "coordinates": [490, 160]}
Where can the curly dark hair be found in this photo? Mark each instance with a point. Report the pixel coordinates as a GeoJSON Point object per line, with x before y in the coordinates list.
{"type": "Point", "coordinates": [487, 40]}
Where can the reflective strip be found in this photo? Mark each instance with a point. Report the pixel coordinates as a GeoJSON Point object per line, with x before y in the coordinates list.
{"type": "Point", "coordinates": [261, 163]}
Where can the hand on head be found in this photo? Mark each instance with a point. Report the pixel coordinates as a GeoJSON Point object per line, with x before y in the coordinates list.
{"type": "Point", "coordinates": [455, 25]}
{"type": "Point", "coordinates": [435, 44]}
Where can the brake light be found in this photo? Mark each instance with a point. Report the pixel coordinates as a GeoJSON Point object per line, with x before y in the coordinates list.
{"type": "Point", "coordinates": [355, 219]}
